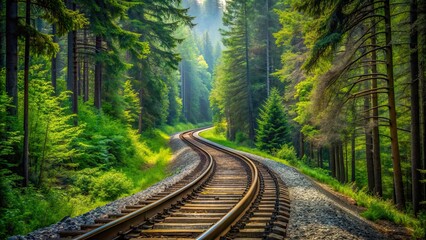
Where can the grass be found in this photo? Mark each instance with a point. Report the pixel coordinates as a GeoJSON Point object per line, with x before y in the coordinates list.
{"type": "Point", "coordinates": [376, 208]}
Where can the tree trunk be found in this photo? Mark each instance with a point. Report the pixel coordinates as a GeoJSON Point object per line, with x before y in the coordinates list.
{"type": "Point", "coordinates": [332, 160]}
{"type": "Point", "coordinates": [268, 45]}
{"type": "Point", "coordinates": [249, 94]}
{"type": "Point", "coordinates": [337, 161]}
{"type": "Point", "coordinates": [422, 77]}
{"type": "Point", "coordinates": [25, 160]}
{"type": "Point", "coordinates": [302, 145]}
{"type": "Point", "coordinates": [72, 84]}
{"type": "Point", "coordinates": [140, 113]}
{"type": "Point", "coordinates": [70, 53]}
{"type": "Point", "coordinates": [2, 37]}
{"type": "Point", "coordinates": [346, 162]}
{"type": "Point", "coordinates": [12, 55]}
{"type": "Point", "coordinates": [399, 189]}
{"type": "Point", "coordinates": [376, 134]}
{"type": "Point", "coordinates": [353, 178]}
{"type": "Point", "coordinates": [368, 140]}
{"type": "Point", "coordinates": [54, 70]}
{"type": "Point", "coordinates": [75, 80]}
{"type": "Point", "coordinates": [98, 74]}
{"type": "Point", "coordinates": [415, 112]}
{"type": "Point", "coordinates": [85, 70]}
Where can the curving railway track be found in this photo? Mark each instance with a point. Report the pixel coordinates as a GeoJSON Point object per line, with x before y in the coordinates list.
{"type": "Point", "coordinates": [228, 196]}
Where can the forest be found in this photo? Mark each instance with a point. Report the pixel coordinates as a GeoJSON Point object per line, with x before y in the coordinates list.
{"type": "Point", "coordinates": [91, 89]}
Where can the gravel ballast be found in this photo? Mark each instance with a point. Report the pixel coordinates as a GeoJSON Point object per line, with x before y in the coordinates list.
{"type": "Point", "coordinates": [313, 214]}
{"type": "Point", "coordinates": [184, 160]}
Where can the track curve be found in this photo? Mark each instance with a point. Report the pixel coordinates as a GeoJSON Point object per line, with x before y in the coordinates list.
{"type": "Point", "coordinates": [228, 196]}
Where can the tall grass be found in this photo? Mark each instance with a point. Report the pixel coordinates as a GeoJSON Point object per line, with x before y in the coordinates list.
{"type": "Point", "coordinates": [376, 209]}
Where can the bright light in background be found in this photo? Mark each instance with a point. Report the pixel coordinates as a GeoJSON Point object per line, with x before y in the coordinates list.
{"type": "Point", "coordinates": [221, 2]}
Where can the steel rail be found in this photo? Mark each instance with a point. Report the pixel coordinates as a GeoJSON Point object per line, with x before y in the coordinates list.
{"type": "Point", "coordinates": [225, 223]}
{"type": "Point", "coordinates": [111, 229]}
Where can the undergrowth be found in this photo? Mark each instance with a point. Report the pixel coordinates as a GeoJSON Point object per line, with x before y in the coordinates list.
{"type": "Point", "coordinates": [376, 209]}
{"type": "Point", "coordinates": [113, 161]}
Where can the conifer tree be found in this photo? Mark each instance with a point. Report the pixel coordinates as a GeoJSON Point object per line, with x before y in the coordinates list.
{"type": "Point", "coordinates": [272, 130]}
{"type": "Point", "coordinates": [149, 74]}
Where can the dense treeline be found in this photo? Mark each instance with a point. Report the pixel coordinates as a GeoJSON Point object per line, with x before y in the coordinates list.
{"type": "Point", "coordinates": [351, 77]}
{"type": "Point", "coordinates": [83, 85]}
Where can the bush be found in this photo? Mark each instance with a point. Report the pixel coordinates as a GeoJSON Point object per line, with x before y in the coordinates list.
{"type": "Point", "coordinates": [111, 185]}
{"type": "Point", "coordinates": [84, 180]}
{"type": "Point", "coordinates": [24, 210]}
{"type": "Point", "coordinates": [287, 153]}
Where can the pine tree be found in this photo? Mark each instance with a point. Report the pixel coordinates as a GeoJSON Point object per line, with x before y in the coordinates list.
{"type": "Point", "coordinates": [150, 74]}
{"type": "Point", "coordinates": [272, 130]}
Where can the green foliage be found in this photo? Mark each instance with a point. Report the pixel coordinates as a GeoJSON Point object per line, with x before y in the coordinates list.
{"type": "Point", "coordinates": [272, 130]}
{"type": "Point", "coordinates": [52, 133]}
{"type": "Point", "coordinates": [288, 153]}
{"type": "Point", "coordinates": [25, 209]}
{"type": "Point", "coordinates": [104, 140]}
{"type": "Point", "coordinates": [132, 107]}
{"type": "Point", "coordinates": [111, 185]}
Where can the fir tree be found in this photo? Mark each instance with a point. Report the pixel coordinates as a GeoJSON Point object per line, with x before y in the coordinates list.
{"type": "Point", "coordinates": [272, 132]}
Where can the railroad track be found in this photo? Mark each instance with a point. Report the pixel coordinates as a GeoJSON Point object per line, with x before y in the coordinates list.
{"type": "Point", "coordinates": [227, 196]}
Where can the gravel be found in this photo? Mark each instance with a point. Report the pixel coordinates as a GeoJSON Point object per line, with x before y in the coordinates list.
{"type": "Point", "coordinates": [184, 160]}
{"type": "Point", "coordinates": [313, 214]}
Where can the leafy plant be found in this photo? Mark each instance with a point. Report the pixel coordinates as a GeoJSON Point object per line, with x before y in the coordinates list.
{"type": "Point", "coordinates": [111, 185]}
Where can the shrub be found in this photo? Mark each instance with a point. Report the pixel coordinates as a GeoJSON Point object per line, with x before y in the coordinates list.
{"type": "Point", "coordinates": [84, 180]}
{"type": "Point", "coordinates": [111, 185]}
{"type": "Point", "coordinates": [287, 152]}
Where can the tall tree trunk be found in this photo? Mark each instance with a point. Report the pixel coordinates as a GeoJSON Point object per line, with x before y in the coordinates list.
{"type": "Point", "coordinates": [376, 134]}
{"type": "Point", "coordinates": [301, 145]}
{"type": "Point", "coordinates": [70, 54]}
{"type": "Point", "coordinates": [12, 54]}
{"type": "Point", "coordinates": [415, 109]}
{"type": "Point", "coordinates": [2, 37]}
{"type": "Point", "coordinates": [25, 160]}
{"type": "Point", "coordinates": [353, 178]}
{"type": "Point", "coordinates": [346, 162]}
{"type": "Point", "coordinates": [268, 45]}
{"type": "Point", "coordinates": [72, 84]}
{"type": "Point", "coordinates": [332, 160]}
{"type": "Point", "coordinates": [399, 189]}
{"type": "Point", "coordinates": [368, 138]}
{"type": "Point", "coordinates": [337, 161]}
{"type": "Point", "coordinates": [75, 80]}
{"type": "Point", "coordinates": [342, 163]}
{"type": "Point", "coordinates": [54, 69]}
{"type": "Point", "coordinates": [140, 113]}
{"type": "Point", "coordinates": [422, 68]}
{"type": "Point", "coordinates": [98, 74]}
{"type": "Point", "coordinates": [249, 94]}
{"type": "Point", "coordinates": [85, 70]}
